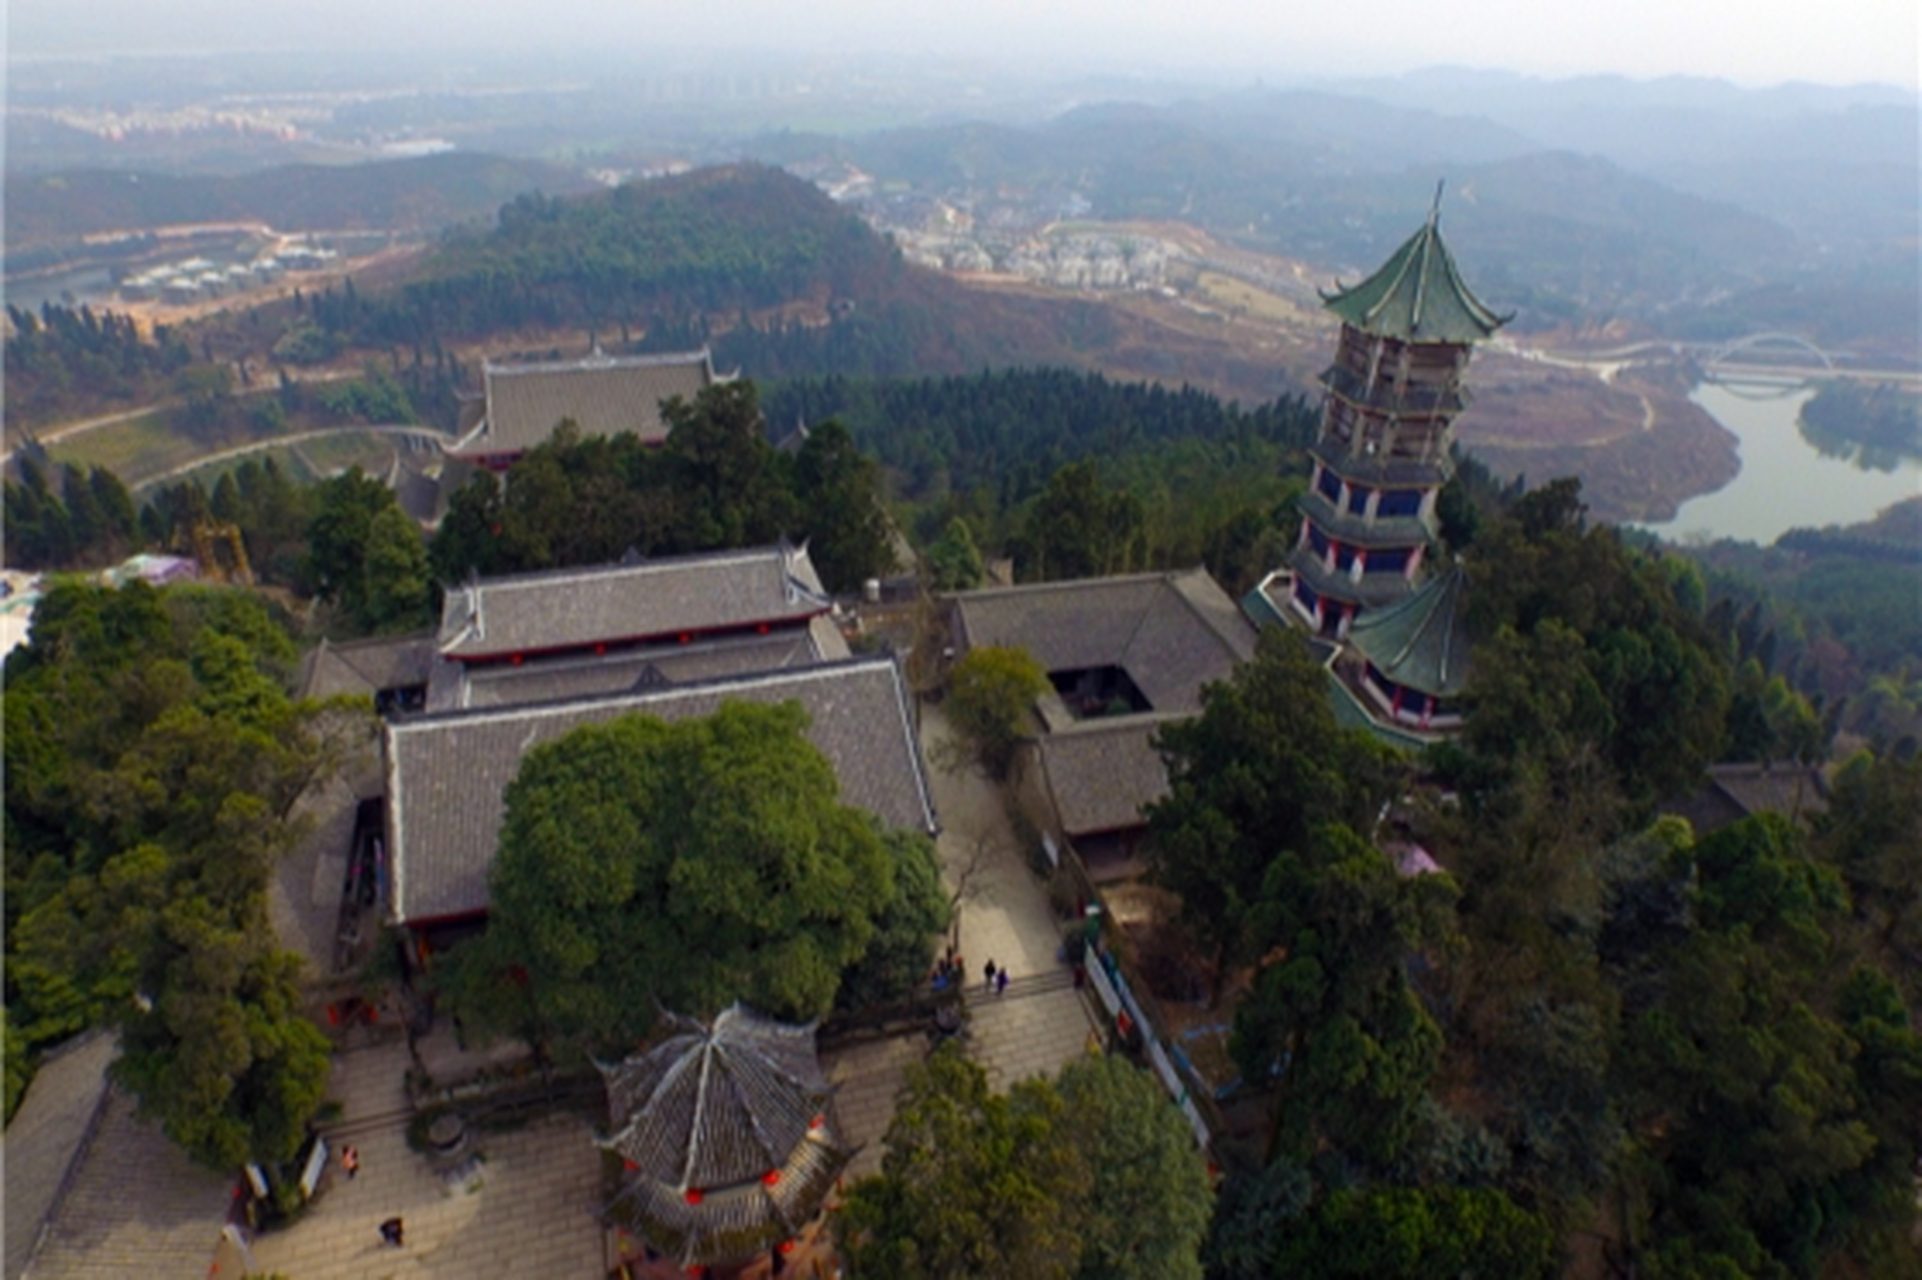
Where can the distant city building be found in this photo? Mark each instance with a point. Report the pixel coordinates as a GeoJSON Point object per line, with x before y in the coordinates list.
{"type": "Point", "coordinates": [602, 395]}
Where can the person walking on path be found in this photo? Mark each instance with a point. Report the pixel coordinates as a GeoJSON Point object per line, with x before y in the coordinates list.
{"type": "Point", "coordinates": [989, 983]}
{"type": "Point", "coordinates": [390, 1232]}
{"type": "Point", "coordinates": [350, 1161]}
{"type": "Point", "coordinates": [1001, 983]}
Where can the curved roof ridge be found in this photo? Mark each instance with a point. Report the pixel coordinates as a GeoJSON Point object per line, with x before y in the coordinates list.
{"type": "Point", "coordinates": [1417, 295]}
{"type": "Point", "coordinates": [1420, 641]}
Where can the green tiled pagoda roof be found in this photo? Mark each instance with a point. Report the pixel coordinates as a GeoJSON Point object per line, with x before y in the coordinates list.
{"type": "Point", "coordinates": [1417, 296]}
{"type": "Point", "coordinates": [1421, 642]}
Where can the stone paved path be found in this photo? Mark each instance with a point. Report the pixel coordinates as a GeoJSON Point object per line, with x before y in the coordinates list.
{"type": "Point", "coordinates": [1038, 1025]}
{"type": "Point", "coordinates": [533, 1212]}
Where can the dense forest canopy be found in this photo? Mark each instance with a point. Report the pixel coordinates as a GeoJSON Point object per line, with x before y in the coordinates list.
{"type": "Point", "coordinates": [153, 761]}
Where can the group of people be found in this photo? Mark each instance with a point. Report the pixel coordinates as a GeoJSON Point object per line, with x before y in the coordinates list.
{"type": "Point", "coordinates": [950, 973]}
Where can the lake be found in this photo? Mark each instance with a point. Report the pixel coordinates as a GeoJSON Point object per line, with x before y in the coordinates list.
{"type": "Point", "coordinates": [1784, 482]}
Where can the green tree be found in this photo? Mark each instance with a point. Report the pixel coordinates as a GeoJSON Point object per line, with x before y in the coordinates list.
{"type": "Point", "coordinates": [1147, 1194]}
{"type": "Point", "coordinates": [1333, 1021]}
{"type": "Point", "coordinates": [1415, 1233]}
{"type": "Point", "coordinates": [19, 1070]}
{"type": "Point", "coordinates": [990, 692]}
{"type": "Point", "coordinates": [1872, 833]}
{"type": "Point", "coordinates": [153, 765]}
{"type": "Point", "coordinates": [728, 479]}
{"type": "Point", "coordinates": [649, 865]}
{"type": "Point", "coordinates": [973, 1183]}
{"type": "Point", "coordinates": [1079, 529]}
{"type": "Point", "coordinates": [1760, 1081]}
{"type": "Point", "coordinates": [1252, 779]}
{"type": "Point", "coordinates": [907, 929]}
{"type": "Point", "coordinates": [838, 491]}
{"type": "Point", "coordinates": [953, 561]}
{"type": "Point", "coordinates": [366, 556]}
{"type": "Point", "coordinates": [1612, 657]}
{"type": "Point", "coordinates": [397, 594]}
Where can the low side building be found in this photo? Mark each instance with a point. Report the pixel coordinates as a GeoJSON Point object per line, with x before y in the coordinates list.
{"type": "Point", "coordinates": [1124, 656]}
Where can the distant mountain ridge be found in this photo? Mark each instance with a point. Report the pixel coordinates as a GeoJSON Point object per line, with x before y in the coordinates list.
{"type": "Point", "coordinates": [418, 194]}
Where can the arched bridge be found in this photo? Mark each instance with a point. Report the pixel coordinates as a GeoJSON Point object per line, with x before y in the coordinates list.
{"type": "Point", "coordinates": [1767, 345]}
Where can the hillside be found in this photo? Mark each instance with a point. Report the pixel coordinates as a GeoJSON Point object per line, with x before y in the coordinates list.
{"type": "Point", "coordinates": [401, 195]}
{"type": "Point", "coordinates": [766, 269]}
{"type": "Point", "coordinates": [1336, 182]}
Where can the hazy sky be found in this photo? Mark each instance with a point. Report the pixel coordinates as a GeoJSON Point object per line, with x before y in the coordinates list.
{"type": "Point", "coordinates": [1753, 42]}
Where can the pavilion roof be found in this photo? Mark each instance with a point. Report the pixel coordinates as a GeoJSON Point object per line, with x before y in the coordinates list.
{"type": "Point", "coordinates": [577, 608]}
{"type": "Point", "coordinates": [1416, 296]}
{"type": "Point", "coordinates": [603, 396]}
{"type": "Point", "coordinates": [1420, 642]}
{"type": "Point", "coordinates": [727, 1134]}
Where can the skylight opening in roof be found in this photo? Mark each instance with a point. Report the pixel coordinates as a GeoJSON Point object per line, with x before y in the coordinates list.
{"type": "Point", "coordinates": [1092, 693]}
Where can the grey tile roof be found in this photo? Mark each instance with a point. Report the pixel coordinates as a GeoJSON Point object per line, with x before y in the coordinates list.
{"type": "Point", "coordinates": [716, 1110]}
{"type": "Point", "coordinates": [604, 395]}
{"type": "Point", "coordinates": [563, 679]}
{"type": "Point", "coordinates": [365, 667]}
{"type": "Point", "coordinates": [1731, 792]}
{"type": "Point", "coordinates": [1171, 632]}
{"type": "Point", "coordinates": [120, 1200]}
{"type": "Point", "coordinates": [574, 608]}
{"type": "Point", "coordinates": [45, 1137]}
{"type": "Point", "coordinates": [1102, 773]}
{"type": "Point", "coordinates": [446, 772]}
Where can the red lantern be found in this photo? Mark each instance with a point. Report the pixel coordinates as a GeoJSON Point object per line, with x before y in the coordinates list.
{"type": "Point", "coordinates": [694, 1195]}
{"type": "Point", "coordinates": [771, 1177]}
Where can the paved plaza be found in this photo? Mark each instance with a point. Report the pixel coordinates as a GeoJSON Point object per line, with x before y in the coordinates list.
{"type": "Point", "coordinates": [532, 1209]}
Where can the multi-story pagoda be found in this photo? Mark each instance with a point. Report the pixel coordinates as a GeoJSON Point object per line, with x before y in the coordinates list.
{"type": "Point", "coordinates": [1389, 406]}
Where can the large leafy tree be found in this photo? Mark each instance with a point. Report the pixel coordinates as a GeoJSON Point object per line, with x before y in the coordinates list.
{"type": "Point", "coordinates": [990, 692]}
{"type": "Point", "coordinates": [153, 764]}
{"type": "Point", "coordinates": [1333, 1020]}
{"type": "Point", "coordinates": [1147, 1196]}
{"type": "Point", "coordinates": [839, 492]}
{"type": "Point", "coordinates": [1251, 781]}
{"type": "Point", "coordinates": [1079, 528]}
{"type": "Point", "coordinates": [973, 1183]}
{"type": "Point", "coordinates": [1608, 652]}
{"type": "Point", "coordinates": [731, 484]}
{"type": "Point", "coordinates": [1092, 1175]}
{"type": "Point", "coordinates": [366, 556]}
{"type": "Point", "coordinates": [1412, 1233]}
{"type": "Point", "coordinates": [1763, 1082]}
{"type": "Point", "coordinates": [647, 865]}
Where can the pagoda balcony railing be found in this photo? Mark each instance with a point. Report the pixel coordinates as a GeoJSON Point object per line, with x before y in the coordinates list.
{"type": "Point", "coordinates": [1371, 591]}
{"type": "Point", "coordinates": [1381, 471]}
{"type": "Point", "coordinates": [1358, 530]}
{"type": "Point", "coordinates": [1383, 396]}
